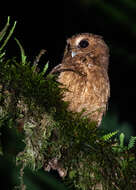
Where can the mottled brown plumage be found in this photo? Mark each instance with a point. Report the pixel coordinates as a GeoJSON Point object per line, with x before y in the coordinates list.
{"type": "Point", "coordinates": [83, 72]}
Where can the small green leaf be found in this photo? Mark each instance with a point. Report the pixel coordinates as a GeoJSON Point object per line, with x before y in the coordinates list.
{"type": "Point", "coordinates": [9, 35]}
{"type": "Point", "coordinates": [45, 68]}
{"type": "Point", "coordinates": [23, 56]}
{"type": "Point", "coordinates": [122, 137]}
{"type": "Point", "coordinates": [131, 142]}
{"type": "Point", "coordinates": [3, 32]}
{"type": "Point", "coordinates": [109, 135]}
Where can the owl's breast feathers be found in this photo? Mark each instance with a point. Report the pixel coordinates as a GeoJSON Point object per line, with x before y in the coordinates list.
{"type": "Point", "coordinates": [88, 87]}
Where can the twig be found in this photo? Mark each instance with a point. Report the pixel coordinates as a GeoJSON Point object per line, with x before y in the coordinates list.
{"type": "Point", "coordinates": [38, 57]}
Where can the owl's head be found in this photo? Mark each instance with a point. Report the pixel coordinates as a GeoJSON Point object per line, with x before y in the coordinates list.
{"type": "Point", "coordinates": [88, 44]}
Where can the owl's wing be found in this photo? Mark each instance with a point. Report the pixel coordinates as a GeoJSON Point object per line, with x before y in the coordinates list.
{"type": "Point", "coordinates": [62, 68]}
{"type": "Point", "coordinates": [56, 69]}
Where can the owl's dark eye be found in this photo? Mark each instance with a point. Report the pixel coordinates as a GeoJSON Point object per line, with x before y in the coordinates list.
{"type": "Point", "coordinates": [83, 44]}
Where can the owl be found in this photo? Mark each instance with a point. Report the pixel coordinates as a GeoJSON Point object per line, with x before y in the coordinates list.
{"type": "Point", "coordinates": [84, 72]}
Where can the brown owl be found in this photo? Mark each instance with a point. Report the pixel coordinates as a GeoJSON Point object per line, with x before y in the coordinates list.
{"type": "Point", "coordinates": [83, 72]}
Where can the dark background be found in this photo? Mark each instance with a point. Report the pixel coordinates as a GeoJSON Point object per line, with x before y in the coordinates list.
{"type": "Point", "coordinates": [114, 20]}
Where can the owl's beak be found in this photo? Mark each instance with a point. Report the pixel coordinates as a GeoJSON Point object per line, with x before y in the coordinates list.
{"type": "Point", "coordinates": [73, 53]}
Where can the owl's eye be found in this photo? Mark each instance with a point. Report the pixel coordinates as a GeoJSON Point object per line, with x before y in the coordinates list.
{"type": "Point", "coordinates": [83, 44]}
